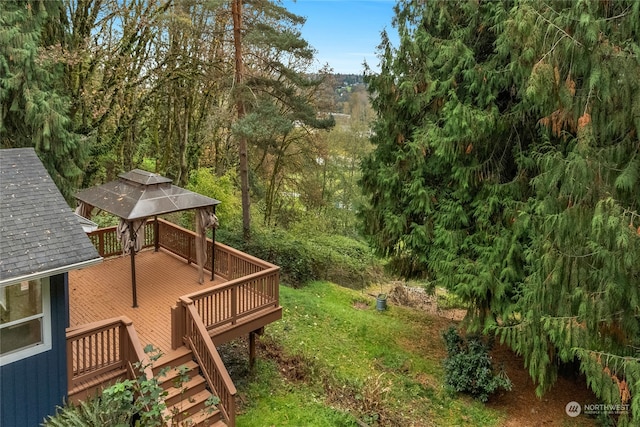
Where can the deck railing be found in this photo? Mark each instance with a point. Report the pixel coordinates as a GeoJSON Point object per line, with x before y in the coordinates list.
{"type": "Point", "coordinates": [210, 363]}
{"type": "Point", "coordinates": [231, 302]}
{"type": "Point", "coordinates": [99, 350]}
{"type": "Point", "coordinates": [106, 241]}
{"type": "Point", "coordinates": [253, 284]}
{"type": "Point", "coordinates": [229, 263]}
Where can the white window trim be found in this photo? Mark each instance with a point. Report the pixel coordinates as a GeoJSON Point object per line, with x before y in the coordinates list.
{"type": "Point", "coordinates": [45, 345]}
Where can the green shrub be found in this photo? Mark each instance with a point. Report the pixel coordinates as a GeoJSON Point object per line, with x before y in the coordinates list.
{"type": "Point", "coordinates": [127, 403]}
{"type": "Point", "coordinates": [344, 260]}
{"type": "Point", "coordinates": [449, 300]}
{"type": "Point", "coordinates": [468, 366]}
{"type": "Point", "coordinates": [303, 258]}
{"type": "Point", "coordinates": [92, 412]}
{"type": "Point", "coordinates": [291, 254]}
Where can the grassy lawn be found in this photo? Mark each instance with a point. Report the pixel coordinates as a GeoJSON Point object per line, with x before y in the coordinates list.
{"type": "Point", "coordinates": [333, 360]}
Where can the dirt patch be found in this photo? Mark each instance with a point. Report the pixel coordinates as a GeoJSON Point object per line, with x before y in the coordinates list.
{"type": "Point", "coordinates": [293, 367]}
{"type": "Point", "coordinates": [524, 408]}
{"type": "Point", "coordinates": [414, 297]}
{"type": "Point", "coordinates": [360, 305]}
{"type": "Point", "coordinates": [235, 355]}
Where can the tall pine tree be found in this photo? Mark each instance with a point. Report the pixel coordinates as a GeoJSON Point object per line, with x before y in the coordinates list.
{"type": "Point", "coordinates": [33, 106]}
{"type": "Point", "coordinates": [278, 96]}
{"type": "Point", "coordinates": [506, 167]}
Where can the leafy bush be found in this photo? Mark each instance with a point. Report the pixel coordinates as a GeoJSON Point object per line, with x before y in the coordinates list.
{"type": "Point", "coordinates": [276, 246]}
{"type": "Point", "coordinates": [303, 258]}
{"type": "Point", "coordinates": [468, 367]}
{"type": "Point", "coordinates": [344, 260]}
{"type": "Point", "coordinates": [126, 403]}
{"type": "Point", "coordinates": [93, 412]}
{"type": "Point", "coordinates": [449, 300]}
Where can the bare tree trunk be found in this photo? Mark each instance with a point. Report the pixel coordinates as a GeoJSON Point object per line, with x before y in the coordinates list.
{"type": "Point", "coordinates": [236, 11]}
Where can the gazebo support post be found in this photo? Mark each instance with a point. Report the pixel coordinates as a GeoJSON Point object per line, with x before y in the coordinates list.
{"type": "Point", "coordinates": [132, 250]}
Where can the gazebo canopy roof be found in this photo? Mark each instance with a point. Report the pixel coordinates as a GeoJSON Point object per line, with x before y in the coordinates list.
{"type": "Point", "coordinates": [140, 194]}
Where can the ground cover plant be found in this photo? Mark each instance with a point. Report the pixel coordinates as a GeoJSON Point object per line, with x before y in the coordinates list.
{"type": "Point", "coordinates": [469, 368]}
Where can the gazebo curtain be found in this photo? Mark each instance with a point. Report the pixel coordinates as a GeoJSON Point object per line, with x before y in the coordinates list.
{"type": "Point", "coordinates": [205, 219]}
{"type": "Point", "coordinates": [84, 209]}
{"type": "Point", "coordinates": [124, 235]}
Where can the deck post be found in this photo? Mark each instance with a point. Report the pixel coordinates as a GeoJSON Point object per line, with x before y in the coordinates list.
{"type": "Point", "coordinates": [252, 349]}
{"type": "Point", "coordinates": [156, 232]}
{"type": "Point", "coordinates": [252, 345]}
{"type": "Point", "coordinates": [70, 370]}
{"type": "Point", "coordinates": [177, 325]}
{"type": "Point", "coordinates": [213, 254]}
{"type": "Point", "coordinates": [101, 244]}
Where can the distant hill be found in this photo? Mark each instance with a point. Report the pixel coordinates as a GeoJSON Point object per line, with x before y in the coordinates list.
{"type": "Point", "coordinates": [347, 90]}
{"type": "Point", "coordinates": [349, 79]}
{"type": "Point", "coordinates": [344, 86]}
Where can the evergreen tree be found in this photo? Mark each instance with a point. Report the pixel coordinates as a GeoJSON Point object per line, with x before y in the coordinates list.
{"type": "Point", "coordinates": [505, 168]}
{"type": "Point", "coordinates": [278, 96]}
{"type": "Point", "coordinates": [33, 106]}
{"type": "Point", "coordinates": [581, 295]}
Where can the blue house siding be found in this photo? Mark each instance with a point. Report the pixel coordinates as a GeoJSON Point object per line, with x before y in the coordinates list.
{"type": "Point", "coordinates": [31, 388]}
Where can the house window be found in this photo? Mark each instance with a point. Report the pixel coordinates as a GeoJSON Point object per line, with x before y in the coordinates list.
{"type": "Point", "coordinates": [25, 320]}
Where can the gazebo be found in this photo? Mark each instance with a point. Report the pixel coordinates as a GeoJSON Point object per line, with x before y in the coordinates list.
{"type": "Point", "coordinates": [137, 195]}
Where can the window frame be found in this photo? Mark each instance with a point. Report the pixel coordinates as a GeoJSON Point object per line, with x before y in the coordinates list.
{"type": "Point", "coordinates": [46, 343]}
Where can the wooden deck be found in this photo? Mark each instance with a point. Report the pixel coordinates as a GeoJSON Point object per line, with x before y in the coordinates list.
{"type": "Point", "coordinates": [104, 291]}
{"type": "Point", "coordinates": [175, 313]}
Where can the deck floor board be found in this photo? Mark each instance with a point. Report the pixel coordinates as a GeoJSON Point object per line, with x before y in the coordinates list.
{"type": "Point", "coordinates": [103, 291]}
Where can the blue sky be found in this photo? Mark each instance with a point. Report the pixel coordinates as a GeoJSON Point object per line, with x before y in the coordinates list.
{"type": "Point", "coordinates": [345, 33]}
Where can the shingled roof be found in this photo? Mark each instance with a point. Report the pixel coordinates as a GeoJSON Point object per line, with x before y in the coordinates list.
{"type": "Point", "coordinates": [39, 233]}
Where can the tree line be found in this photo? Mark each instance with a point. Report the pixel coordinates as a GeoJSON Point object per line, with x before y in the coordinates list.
{"type": "Point", "coordinates": [103, 86]}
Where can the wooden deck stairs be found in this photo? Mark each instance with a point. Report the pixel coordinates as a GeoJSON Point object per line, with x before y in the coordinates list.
{"type": "Point", "coordinates": [187, 396]}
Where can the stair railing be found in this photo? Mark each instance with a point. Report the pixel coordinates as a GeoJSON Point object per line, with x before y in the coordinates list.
{"type": "Point", "coordinates": [211, 365]}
